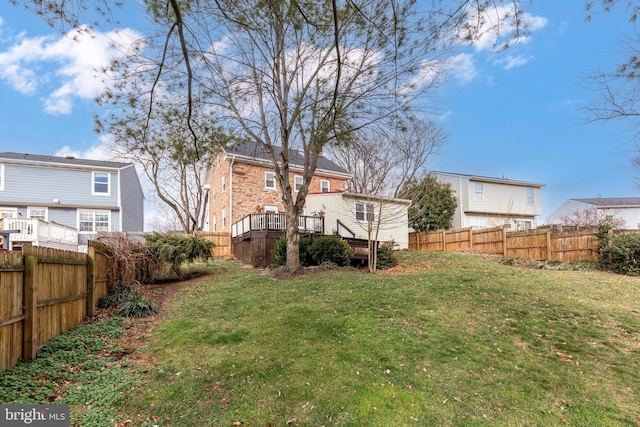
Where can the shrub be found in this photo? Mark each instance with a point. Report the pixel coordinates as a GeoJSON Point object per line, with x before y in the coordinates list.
{"type": "Point", "coordinates": [620, 254]}
{"type": "Point", "coordinates": [331, 248]}
{"type": "Point", "coordinates": [174, 249]}
{"type": "Point", "coordinates": [386, 257]}
{"type": "Point", "coordinates": [135, 305]}
{"type": "Point", "coordinates": [280, 252]}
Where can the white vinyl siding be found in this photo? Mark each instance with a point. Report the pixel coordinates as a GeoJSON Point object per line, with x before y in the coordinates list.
{"type": "Point", "coordinates": [325, 186]}
{"type": "Point", "coordinates": [1, 177]}
{"type": "Point", "coordinates": [270, 180]}
{"type": "Point", "coordinates": [101, 183]}
{"type": "Point", "coordinates": [93, 221]}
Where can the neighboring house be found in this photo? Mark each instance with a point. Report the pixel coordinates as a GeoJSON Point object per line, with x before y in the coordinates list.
{"type": "Point", "coordinates": [625, 208]}
{"type": "Point", "coordinates": [243, 182]}
{"type": "Point", "coordinates": [489, 202]}
{"type": "Point", "coordinates": [89, 196]}
{"type": "Point", "coordinates": [348, 215]}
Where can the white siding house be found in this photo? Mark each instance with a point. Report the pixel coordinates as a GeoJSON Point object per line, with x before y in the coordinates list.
{"type": "Point", "coordinates": [625, 208]}
{"type": "Point", "coordinates": [489, 202]}
{"type": "Point", "coordinates": [351, 210]}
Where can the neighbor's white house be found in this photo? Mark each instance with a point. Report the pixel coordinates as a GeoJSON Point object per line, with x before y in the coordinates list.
{"type": "Point", "coordinates": [348, 215]}
{"type": "Point", "coordinates": [484, 202]}
{"type": "Point", "coordinates": [625, 208]}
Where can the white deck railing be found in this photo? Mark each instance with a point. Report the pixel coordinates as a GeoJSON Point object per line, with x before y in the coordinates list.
{"type": "Point", "coordinates": [40, 233]}
{"type": "Point", "coordinates": [269, 221]}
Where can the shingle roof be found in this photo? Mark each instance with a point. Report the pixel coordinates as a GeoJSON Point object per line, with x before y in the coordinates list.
{"type": "Point", "coordinates": [611, 201]}
{"type": "Point", "coordinates": [69, 160]}
{"type": "Point", "coordinates": [251, 150]}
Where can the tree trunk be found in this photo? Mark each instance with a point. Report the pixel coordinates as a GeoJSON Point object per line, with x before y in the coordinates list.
{"type": "Point", "coordinates": [293, 242]}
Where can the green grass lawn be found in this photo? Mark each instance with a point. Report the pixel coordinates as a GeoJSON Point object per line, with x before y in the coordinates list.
{"type": "Point", "coordinates": [464, 341]}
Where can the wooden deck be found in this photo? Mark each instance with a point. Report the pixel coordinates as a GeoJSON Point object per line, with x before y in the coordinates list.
{"type": "Point", "coordinates": [254, 236]}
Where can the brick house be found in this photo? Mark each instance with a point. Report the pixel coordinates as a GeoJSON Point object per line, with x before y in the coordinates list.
{"type": "Point", "coordinates": [242, 181]}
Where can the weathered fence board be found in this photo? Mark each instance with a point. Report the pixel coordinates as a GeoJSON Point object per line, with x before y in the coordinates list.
{"type": "Point", "coordinates": [540, 244]}
{"type": "Point", "coordinates": [44, 292]}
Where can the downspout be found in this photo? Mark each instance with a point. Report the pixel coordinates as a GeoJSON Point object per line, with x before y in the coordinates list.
{"type": "Point", "coordinates": [460, 201]}
{"type": "Point", "coordinates": [119, 199]}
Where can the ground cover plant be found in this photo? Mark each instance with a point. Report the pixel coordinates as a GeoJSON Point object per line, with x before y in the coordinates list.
{"type": "Point", "coordinates": [81, 368]}
{"type": "Point", "coordinates": [440, 339]}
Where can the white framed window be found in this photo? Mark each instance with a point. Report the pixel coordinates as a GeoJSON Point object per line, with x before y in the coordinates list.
{"type": "Point", "coordinates": [8, 213]}
{"type": "Point", "coordinates": [479, 190]}
{"type": "Point", "coordinates": [101, 183]}
{"type": "Point", "coordinates": [325, 186]}
{"type": "Point", "coordinates": [479, 222]}
{"type": "Point", "coordinates": [270, 180]}
{"type": "Point", "coordinates": [271, 208]}
{"type": "Point", "coordinates": [1, 177]}
{"type": "Point", "coordinates": [213, 193]}
{"type": "Point", "coordinates": [530, 199]}
{"type": "Point", "coordinates": [224, 183]}
{"type": "Point", "coordinates": [93, 221]}
{"type": "Point", "coordinates": [297, 183]}
{"type": "Point", "coordinates": [365, 211]}
{"type": "Point", "coordinates": [524, 225]}
{"type": "Point", "coordinates": [38, 213]}
{"type": "Point", "coordinates": [224, 218]}
{"type": "Point", "coordinates": [215, 223]}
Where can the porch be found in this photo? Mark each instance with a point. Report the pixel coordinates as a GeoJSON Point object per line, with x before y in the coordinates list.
{"type": "Point", "coordinates": [253, 237]}
{"type": "Point", "coordinates": [36, 232]}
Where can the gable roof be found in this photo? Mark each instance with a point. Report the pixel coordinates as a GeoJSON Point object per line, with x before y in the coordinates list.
{"type": "Point", "coordinates": [480, 178]}
{"type": "Point", "coordinates": [611, 201]}
{"type": "Point", "coordinates": [69, 160]}
{"type": "Point", "coordinates": [252, 151]}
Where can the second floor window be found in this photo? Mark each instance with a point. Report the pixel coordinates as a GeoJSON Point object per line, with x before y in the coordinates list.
{"type": "Point", "coordinates": [224, 183]}
{"type": "Point", "coordinates": [530, 199]}
{"type": "Point", "coordinates": [297, 182]}
{"type": "Point", "coordinates": [324, 186]}
{"type": "Point", "coordinates": [479, 191]}
{"type": "Point", "coordinates": [270, 180]}
{"type": "Point", "coordinates": [101, 183]}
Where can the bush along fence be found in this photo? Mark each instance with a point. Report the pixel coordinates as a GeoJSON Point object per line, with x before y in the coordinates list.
{"type": "Point", "coordinates": [44, 292]}
{"type": "Point", "coordinates": [539, 244]}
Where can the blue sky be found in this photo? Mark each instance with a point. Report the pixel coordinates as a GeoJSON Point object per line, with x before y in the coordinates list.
{"type": "Point", "coordinates": [513, 114]}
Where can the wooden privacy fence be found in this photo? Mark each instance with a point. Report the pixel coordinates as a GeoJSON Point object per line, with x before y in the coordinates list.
{"type": "Point", "coordinates": [44, 292]}
{"type": "Point", "coordinates": [541, 244]}
{"type": "Point", "coordinates": [221, 241]}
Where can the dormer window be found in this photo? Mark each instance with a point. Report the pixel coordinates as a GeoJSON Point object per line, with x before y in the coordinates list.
{"type": "Point", "coordinates": [270, 180]}
{"type": "Point", "coordinates": [101, 183]}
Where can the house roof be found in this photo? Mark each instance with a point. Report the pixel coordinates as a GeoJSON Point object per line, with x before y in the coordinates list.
{"type": "Point", "coordinates": [481, 178]}
{"type": "Point", "coordinates": [69, 160]}
{"type": "Point", "coordinates": [252, 151]}
{"type": "Point", "coordinates": [365, 197]}
{"type": "Point", "coordinates": [611, 201]}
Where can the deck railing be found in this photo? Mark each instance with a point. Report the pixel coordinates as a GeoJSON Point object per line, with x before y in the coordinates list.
{"type": "Point", "coordinates": [271, 221]}
{"type": "Point", "coordinates": [40, 233]}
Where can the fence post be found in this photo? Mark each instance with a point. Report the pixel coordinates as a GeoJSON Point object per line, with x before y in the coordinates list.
{"type": "Point", "coordinates": [504, 242]}
{"type": "Point", "coordinates": [471, 239]}
{"type": "Point", "coordinates": [549, 244]}
{"type": "Point", "coordinates": [444, 240]}
{"type": "Point", "coordinates": [91, 280]}
{"type": "Point", "coordinates": [29, 334]}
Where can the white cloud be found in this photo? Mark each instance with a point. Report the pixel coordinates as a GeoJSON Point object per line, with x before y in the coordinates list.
{"type": "Point", "coordinates": [70, 64]}
{"type": "Point", "coordinates": [513, 61]}
{"type": "Point", "coordinates": [96, 152]}
{"type": "Point", "coordinates": [463, 68]}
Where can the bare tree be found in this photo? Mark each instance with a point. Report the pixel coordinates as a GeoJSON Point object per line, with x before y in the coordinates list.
{"type": "Point", "coordinates": [295, 75]}
{"type": "Point", "coordinates": [593, 217]}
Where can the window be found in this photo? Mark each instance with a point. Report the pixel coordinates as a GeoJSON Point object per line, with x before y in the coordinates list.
{"type": "Point", "coordinates": [479, 191]}
{"type": "Point", "coordinates": [101, 183]}
{"type": "Point", "coordinates": [271, 208]}
{"type": "Point", "coordinates": [524, 225]}
{"type": "Point", "coordinates": [213, 193]}
{"type": "Point", "coordinates": [297, 182]}
{"type": "Point", "coordinates": [479, 222]}
{"type": "Point", "coordinates": [530, 199]}
{"type": "Point", "coordinates": [93, 221]}
{"type": "Point", "coordinates": [224, 218]}
{"type": "Point", "coordinates": [215, 223]}
{"type": "Point", "coordinates": [8, 213]}
{"type": "Point", "coordinates": [365, 211]}
{"type": "Point", "coordinates": [324, 186]}
{"type": "Point", "coordinates": [224, 183]}
{"type": "Point", "coordinates": [1, 177]}
{"type": "Point", "coordinates": [37, 213]}
{"type": "Point", "coordinates": [270, 180]}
